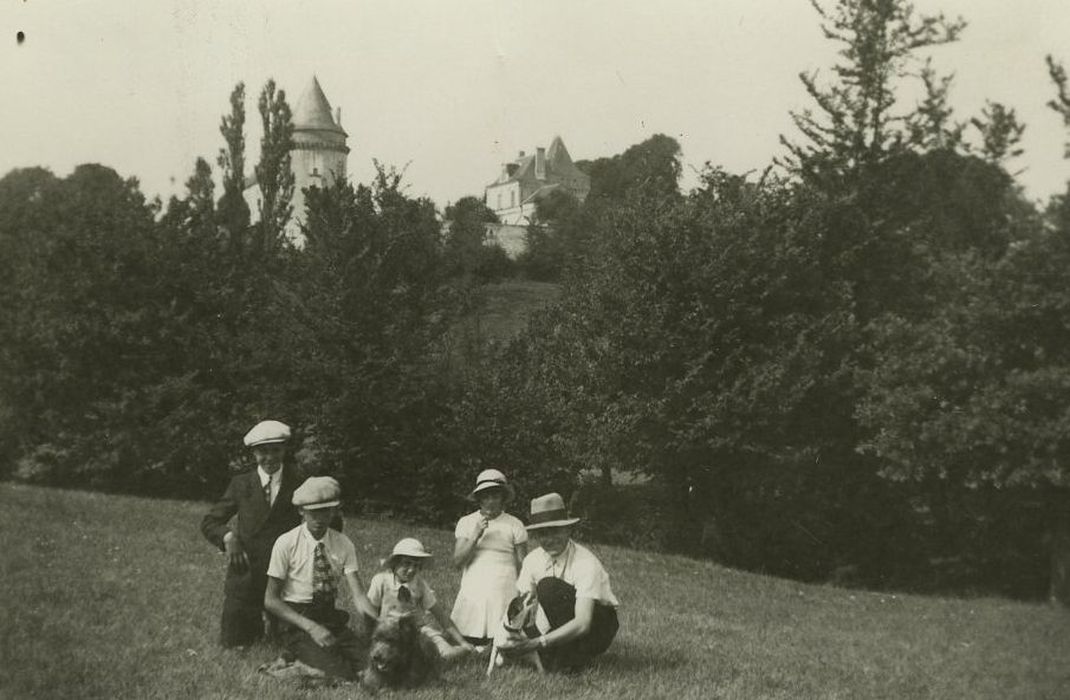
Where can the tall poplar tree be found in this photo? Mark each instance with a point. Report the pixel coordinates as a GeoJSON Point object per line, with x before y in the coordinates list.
{"type": "Point", "coordinates": [233, 211]}
{"type": "Point", "coordinates": [273, 172]}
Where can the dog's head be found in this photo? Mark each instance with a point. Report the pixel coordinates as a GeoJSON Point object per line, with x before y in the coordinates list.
{"type": "Point", "coordinates": [395, 642]}
{"type": "Point", "coordinates": [520, 613]}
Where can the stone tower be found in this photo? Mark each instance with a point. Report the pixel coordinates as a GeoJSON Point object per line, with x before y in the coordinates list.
{"type": "Point", "coordinates": [318, 158]}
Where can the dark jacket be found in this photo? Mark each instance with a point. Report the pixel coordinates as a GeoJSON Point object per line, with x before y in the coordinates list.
{"type": "Point", "coordinates": [257, 526]}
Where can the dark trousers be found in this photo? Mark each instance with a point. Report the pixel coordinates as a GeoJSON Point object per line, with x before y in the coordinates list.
{"type": "Point", "coordinates": [343, 659]}
{"type": "Point", "coordinates": [557, 598]}
{"type": "Point", "coordinates": [243, 605]}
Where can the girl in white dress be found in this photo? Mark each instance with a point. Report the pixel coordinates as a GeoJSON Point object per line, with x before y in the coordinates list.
{"type": "Point", "coordinates": [491, 545]}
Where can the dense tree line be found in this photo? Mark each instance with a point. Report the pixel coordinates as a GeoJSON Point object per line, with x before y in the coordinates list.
{"type": "Point", "coordinates": [852, 367]}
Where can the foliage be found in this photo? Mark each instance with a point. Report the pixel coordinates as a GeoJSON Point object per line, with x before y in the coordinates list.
{"type": "Point", "coordinates": [468, 255]}
{"type": "Point", "coordinates": [273, 172]}
{"type": "Point", "coordinates": [1000, 132]}
{"type": "Point", "coordinates": [855, 124]}
{"type": "Point", "coordinates": [371, 304]}
{"type": "Point", "coordinates": [233, 211]}
{"type": "Point", "coordinates": [652, 166]}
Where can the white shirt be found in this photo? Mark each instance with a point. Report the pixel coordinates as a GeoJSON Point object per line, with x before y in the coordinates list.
{"type": "Point", "coordinates": [293, 555]}
{"type": "Point", "coordinates": [275, 479]}
{"type": "Point", "coordinates": [383, 594]}
{"type": "Point", "coordinates": [576, 565]}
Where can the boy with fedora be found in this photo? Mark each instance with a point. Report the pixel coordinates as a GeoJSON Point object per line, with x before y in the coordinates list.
{"type": "Point", "coordinates": [573, 591]}
{"type": "Point", "coordinates": [261, 501]}
{"type": "Point", "coordinates": [306, 563]}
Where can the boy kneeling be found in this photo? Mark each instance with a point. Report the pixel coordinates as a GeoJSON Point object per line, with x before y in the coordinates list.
{"type": "Point", "coordinates": [306, 563]}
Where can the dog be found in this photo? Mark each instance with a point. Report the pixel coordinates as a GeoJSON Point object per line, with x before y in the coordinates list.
{"type": "Point", "coordinates": [399, 656]}
{"type": "Point", "coordinates": [519, 615]}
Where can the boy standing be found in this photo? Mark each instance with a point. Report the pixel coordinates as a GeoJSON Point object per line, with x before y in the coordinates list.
{"type": "Point", "coordinates": [306, 563]}
{"type": "Point", "coordinates": [261, 500]}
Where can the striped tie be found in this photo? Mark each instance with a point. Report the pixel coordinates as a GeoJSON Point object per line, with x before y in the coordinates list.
{"type": "Point", "coordinates": [323, 591]}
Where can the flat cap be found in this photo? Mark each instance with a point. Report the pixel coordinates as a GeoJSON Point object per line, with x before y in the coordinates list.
{"type": "Point", "coordinates": [266, 432]}
{"type": "Point", "coordinates": [318, 492]}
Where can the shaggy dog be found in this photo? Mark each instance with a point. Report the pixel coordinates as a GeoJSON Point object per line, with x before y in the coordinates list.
{"type": "Point", "coordinates": [518, 616]}
{"type": "Point", "coordinates": [399, 657]}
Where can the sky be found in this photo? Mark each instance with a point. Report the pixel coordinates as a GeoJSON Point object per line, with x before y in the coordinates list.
{"type": "Point", "coordinates": [450, 90]}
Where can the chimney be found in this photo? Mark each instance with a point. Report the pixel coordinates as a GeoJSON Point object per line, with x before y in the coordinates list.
{"type": "Point", "coordinates": [540, 163]}
{"type": "Point", "coordinates": [338, 116]}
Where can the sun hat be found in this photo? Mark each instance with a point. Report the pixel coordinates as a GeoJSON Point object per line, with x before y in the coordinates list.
{"type": "Point", "coordinates": [267, 432]}
{"type": "Point", "coordinates": [492, 479]}
{"type": "Point", "coordinates": [549, 511]}
{"type": "Point", "coordinates": [318, 492]}
{"type": "Point", "coordinates": [407, 547]}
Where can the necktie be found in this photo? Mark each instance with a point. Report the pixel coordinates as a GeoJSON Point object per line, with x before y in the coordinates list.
{"type": "Point", "coordinates": [267, 491]}
{"type": "Point", "coordinates": [404, 594]}
{"type": "Point", "coordinates": [323, 591]}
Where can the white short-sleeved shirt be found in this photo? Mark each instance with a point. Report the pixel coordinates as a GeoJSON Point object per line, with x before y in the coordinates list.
{"type": "Point", "coordinates": [576, 565]}
{"type": "Point", "coordinates": [383, 594]}
{"type": "Point", "coordinates": [293, 555]}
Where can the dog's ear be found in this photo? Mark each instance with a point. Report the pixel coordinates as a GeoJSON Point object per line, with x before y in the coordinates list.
{"type": "Point", "coordinates": [515, 606]}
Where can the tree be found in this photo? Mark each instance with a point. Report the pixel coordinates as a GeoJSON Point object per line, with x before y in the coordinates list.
{"type": "Point", "coordinates": [273, 173]}
{"type": "Point", "coordinates": [1000, 132]}
{"type": "Point", "coordinates": [467, 252]}
{"type": "Point", "coordinates": [370, 307]}
{"type": "Point", "coordinates": [652, 166]}
{"type": "Point", "coordinates": [855, 125]}
{"type": "Point", "coordinates": [233, 211]}
{"type": "Point", "coordinates": [558, 237]}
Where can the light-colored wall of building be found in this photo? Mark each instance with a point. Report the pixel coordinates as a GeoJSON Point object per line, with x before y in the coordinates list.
{"type": "Point", "coordinates": [512, 238]}
{"type": "Point", "coordinates": [312, 168]}
{"type": "Point", "coordinates": [518, 216]}
{"type": "Point", "coordinates": [502, 197]}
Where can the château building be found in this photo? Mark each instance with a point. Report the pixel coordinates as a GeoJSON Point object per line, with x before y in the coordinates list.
{"type": "Point", "coordinates": [530, 177]}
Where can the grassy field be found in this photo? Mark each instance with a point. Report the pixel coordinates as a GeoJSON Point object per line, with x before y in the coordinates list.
{"type": "Point", "coordinates": [117, 597]}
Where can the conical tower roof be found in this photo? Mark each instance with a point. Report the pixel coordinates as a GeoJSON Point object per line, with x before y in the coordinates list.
{"type": "Point", "coordinates": [558, 154]}
{"type": "Point", "coordinates": [314, 111]}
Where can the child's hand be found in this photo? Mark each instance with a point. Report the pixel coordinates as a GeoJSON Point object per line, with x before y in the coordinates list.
{"type": "Point", "coordinates": [321, 636]}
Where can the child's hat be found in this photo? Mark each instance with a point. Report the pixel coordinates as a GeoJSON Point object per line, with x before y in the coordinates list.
{"type": "Point", "coordinates": [492, 479]}
{"type": "Point", "coordinates": [407, 547]}
{"type": "Point", "coordinates": [318, 492]}
{"type": "Point", "coordinates": [267, 432]}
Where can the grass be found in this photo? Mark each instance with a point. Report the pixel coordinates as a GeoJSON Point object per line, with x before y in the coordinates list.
{"type": "Point", "coordinates": [118, 597]}
{"type": "Point", "coordinates": [508, 305]}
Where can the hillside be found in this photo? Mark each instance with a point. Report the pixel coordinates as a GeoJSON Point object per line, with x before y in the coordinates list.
{"type": "Point", "coordinates": [506, 307]}
{"type": "Point", "coordinates": [112, 596]}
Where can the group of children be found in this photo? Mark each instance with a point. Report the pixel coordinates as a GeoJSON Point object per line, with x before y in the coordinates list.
{"type": "Point", "coordinates": [286, 554]}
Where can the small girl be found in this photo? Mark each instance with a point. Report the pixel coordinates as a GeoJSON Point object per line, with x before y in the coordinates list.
{"type": "Point", "coordinates": [491, 544]}
{"type": "Point", "coordinates": [400, 588]}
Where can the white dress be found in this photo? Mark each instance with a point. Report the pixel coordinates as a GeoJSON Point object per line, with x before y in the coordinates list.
{"type": "Point", "coordinates": [489, 580]}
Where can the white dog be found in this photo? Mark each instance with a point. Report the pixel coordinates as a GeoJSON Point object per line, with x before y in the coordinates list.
{"type": "Point", "coordinates": [519, 614]}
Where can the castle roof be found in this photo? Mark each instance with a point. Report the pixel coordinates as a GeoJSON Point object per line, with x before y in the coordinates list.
{"type": "Point", "coordinates": [558, 154]}
{"type": "Point", "coordinates": [558, 167]}
{"type": "Point", "coordinates": [314, 111]}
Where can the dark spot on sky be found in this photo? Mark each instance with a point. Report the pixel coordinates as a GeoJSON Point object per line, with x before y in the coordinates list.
{"type": "Point", "coordinates": [20, 37]}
